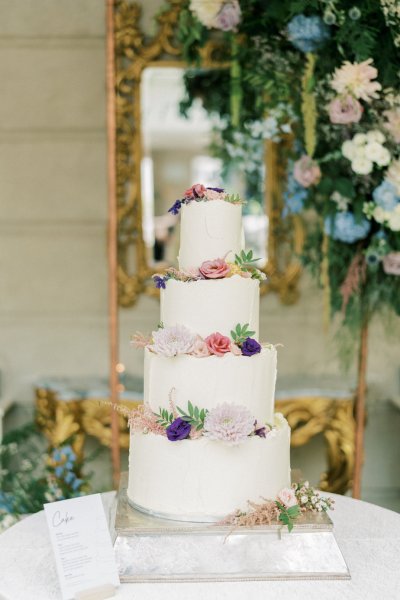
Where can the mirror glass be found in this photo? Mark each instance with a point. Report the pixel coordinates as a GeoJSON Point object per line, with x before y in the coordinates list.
{"type": "Point", "coordinates": [175, 154]}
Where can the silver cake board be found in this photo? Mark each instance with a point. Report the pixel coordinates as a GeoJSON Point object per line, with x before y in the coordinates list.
{"type": "Point", "coordinates": [151, 549]}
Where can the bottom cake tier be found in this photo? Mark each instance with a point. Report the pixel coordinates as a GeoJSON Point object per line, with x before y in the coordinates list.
{"type": "Point", "coordinates": [203, 480]}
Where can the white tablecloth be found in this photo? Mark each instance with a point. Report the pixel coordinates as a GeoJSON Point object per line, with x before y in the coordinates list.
{"type": "Point", "coordinates": [369, 537]}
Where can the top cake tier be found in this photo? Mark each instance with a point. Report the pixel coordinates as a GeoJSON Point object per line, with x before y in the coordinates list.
{"type": "Point", "coordinates": [209, 230]}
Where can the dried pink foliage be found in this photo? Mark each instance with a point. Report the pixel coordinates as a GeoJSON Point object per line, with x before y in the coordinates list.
{"type": "Point", "coordinates": [139, 340]}
{"type": "Point", "coordinates": [172, 405]}
{"type": "Point", "coordinates": [354, 279]}
{"type": "Point", "coordinates": [143, 420]}
{"type": "Point", "coordinates": [259, 514]}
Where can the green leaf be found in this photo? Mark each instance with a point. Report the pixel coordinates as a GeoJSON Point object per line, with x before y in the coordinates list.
{"type": "Point", "coordinates": [196, 412]}
{"type": "Point", "coordinates": [190, 408]}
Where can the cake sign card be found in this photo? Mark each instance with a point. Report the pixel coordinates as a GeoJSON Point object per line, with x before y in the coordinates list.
{"type": "Point", "coordinates": [81, 544]}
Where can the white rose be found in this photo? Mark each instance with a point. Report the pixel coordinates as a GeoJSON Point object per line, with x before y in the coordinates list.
{"type": "Point", "coordinates": [373, 150]}
{"type": "Point", "coordinates": [376, 136]}
{"type": "Point", "coordinates": [360, 139]}
{"type": "Point", "coordinates": [206, 10]}
{"type": "Point", "coordinates": [383, 159]}
{"type": "Point", "coordinates": [304, 499]}
{"type": "Point", "coordinates": [394, 221]}
{"type": "Point", "coordinates": [361, 165]}
{"type": "Point", "coordinates": [380, 215]}
{"type": "Point", "coordinates": [348, 149]}
{"type": "Point", "coordinates": [359, 152]}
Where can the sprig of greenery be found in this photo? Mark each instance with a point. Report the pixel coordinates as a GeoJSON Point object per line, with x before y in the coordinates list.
{"type": "Point", "coordinates": [234, 199]}
{"type": "Point", "coordinates": [288, 516]}
{"type": "Point", "coordinates": [241, 333]}
{"type": "Point", "coordinates": [194, 416]}
{"type": "Point", "coordinates": [245, 259]}
{"type": "Point", "coordinates": [165, 418]}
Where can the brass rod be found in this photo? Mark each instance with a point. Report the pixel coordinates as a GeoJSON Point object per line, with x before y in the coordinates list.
{"type": "Point", "coordinates": [112, 239]}
{"type": "Point", "coordinates": [360, 410]}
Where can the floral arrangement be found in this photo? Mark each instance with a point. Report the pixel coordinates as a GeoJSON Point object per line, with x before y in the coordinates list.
{"type": "Point", "coordinates": [288, 506]}
{"type": "Point", "coordinates": [228, 423]}
{"type": "Point", "coordinates": [217, 14]}
{"type": "Point", "coordinates": [178, 339]}
{"type": "Point", "coordinates": [218, 268]}
{"type": "Point", "coordinates": [200, 193]}
{"type": "Point", "coordinates": [329, 70]}
{"type": "Point", "coordinates": [30, 475]}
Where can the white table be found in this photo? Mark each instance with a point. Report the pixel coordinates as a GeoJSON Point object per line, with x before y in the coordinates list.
{"type": "Point", "coordinates": [369, 537]}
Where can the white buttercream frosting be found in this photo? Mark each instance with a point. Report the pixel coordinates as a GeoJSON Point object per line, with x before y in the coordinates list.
{"type": "Point", "coordinates": [203, 479]}
{"type": "Point", "coordinates": [213, 380]}
{"type": "Point", "coordinates": [207, 306]}
{"type": "Point", "coordinates": [209, 230]}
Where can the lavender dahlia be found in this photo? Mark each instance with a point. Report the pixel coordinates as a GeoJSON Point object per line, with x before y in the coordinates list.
{"type": "Point", "coordinates": [178, 430]}
{"type": "Point", "coordinates": [229, 423]}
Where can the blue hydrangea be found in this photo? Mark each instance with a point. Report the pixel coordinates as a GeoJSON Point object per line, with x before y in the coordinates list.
{"type": "Point", "coordinates": [385, 196]}
{"type": "Point", "coordinates": [307, 33]}
{"type": "Point", "coordinates": [344, 228]}
{"type": "Point", "coordinates": [293, 197]}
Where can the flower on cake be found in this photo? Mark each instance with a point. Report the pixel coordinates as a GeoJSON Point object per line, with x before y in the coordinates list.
{"type": "Point", "coordinates": [200, 193]}
{"type": "Point", "coordinates": [196, 191]}
{"type": "Point", "coordinates": [357, 79]}
{"type": "Point", "coordinates": [178, 430]}
{"type": "Point", "coordinates": [250, 347]}
{"type": "Point", "coordinates": [214, 269]}
{"type": "Point", "coordinates": [287, 497]}
{"type": "Point", "coordinates": [229, 423]}
{"type": "Point", "coordinates": [218, 344]}
{"type": "Point", "coordinates": [200, 348]}
{"type": "Point", "coordinates": [170, 341]}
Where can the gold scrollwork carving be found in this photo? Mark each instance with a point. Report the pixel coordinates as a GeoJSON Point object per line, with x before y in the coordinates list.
{"type": "Point", "coordinates": [133, 52]}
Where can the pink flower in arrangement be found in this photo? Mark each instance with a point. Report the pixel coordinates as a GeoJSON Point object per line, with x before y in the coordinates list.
{"type": "Point", "coordinates": [235, 349]}
{"type": "Point", "coordinates": [229, 16]}
{"type": "Point", "coordinates": [356, 79]}
{"type": "Point", "coordinates": [391, 263]}
{"type": "Point", "coordinates": [200, 348]}
{"type": "Point", "coordinates": [196, 191]}
{"type": "Point", "coordinates": [306, 171]}
{"type": "Point", "coordinates": [214, 195]}
{"type": "Point", "coordinates": [287, 497]}
{"type": "Point", "coordinates": [214, 269]}
{"type": "Point", "coordinates": [392, 124]}
{"type": "Point", "coordinates": [218, 344]}
{"type": "Point", "coordinates": [345, 110]}
{"type": "Point", "coordinates": [229, 423]}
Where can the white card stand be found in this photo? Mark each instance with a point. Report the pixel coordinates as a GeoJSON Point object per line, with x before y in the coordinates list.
{"type": "Point", "coordinates": [151, 549]}
{"type": "Point", "coordinates": [98, 593]}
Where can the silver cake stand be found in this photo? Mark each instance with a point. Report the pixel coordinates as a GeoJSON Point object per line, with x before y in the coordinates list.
{"type": "Point", "coordinates": [151, 549]}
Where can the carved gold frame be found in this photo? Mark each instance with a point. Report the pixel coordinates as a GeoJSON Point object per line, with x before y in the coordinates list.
{"type": "Point", "coordinates": [133, 53]}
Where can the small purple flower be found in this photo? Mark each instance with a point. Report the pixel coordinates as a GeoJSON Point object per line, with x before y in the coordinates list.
{"type": "Point", "coordinates": [219, 190]}
{"type": "Point", "coordinates": [176, 207]}
{"type": "Point", "coordinates": [250, 346]}
{"type": "Point", "coordinates": [260, 430]}
{"type": "Point", "coordinates": [178, 430]}
{"type": "Point", "coordinates": [159, 281]}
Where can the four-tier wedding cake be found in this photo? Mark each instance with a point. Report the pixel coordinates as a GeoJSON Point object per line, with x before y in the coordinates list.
{"type": "Point", "coordinates": [206, 439]}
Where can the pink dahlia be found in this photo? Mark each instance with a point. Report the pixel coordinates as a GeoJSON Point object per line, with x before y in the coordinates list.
{"type": "Point", "coordinates": [196, 191]}
{"type": "Point", "coordinates": [306, 171]}
{"type": "Point", "coordinates": [356, 79]}
{"type": "Point", "coordinates": [170, 341]}
{"type": "Point", "coordinates": [214, 269]}
{"type": "Point", "coordinates": [345, 110]}
{"type": "Point", "coordinates": [229, 423]}
{"type": "Point", "coordinates": [218, 344]}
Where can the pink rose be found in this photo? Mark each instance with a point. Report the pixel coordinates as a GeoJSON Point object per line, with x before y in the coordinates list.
{"type": "Point", "coordinates": [235, 349]}
{"type": "Point", "coordinates": [345, 110]}
{"type": "Point", "coordinates": [218, 344]}
{"type": "Point", "coordinates": [214, 269]}
{"type": "Point", "coordinates": [229, 16]}
{"type": "Point", "coordinates": [287, 497]}
{"type": "Point", "coordinates": [306, 171]}
{"type": "Point", "coordinates": [196, 191]}
{"type": "Point", "coordinates": [200, 348]}
{"type": "Point", "coordinates": [391, 263]}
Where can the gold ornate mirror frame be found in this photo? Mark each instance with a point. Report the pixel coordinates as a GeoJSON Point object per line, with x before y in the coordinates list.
{"type": "Point", "coordinates": [133, 53]}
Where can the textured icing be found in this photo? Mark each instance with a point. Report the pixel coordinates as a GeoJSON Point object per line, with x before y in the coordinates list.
{"type": "Point", "coordinates": [209, 381]}
{"type": "Point", "coordinates": [203, 238]}
{"type": "Point", "coordinates": [189, 478]}
{"type": "Point", "coordinates": [212, 305]}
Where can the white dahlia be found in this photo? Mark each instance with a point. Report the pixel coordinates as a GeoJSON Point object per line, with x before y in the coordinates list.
{"type": "Point", "coordinates": [229, 423]}
{"type": "Point", "coordinates": [170, 341]}
{"type": "Point", "coordinates": [206, 10]}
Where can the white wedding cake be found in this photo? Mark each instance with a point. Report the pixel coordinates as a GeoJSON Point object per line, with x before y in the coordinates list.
{"type": "Point", "coordinates": [206, 439]}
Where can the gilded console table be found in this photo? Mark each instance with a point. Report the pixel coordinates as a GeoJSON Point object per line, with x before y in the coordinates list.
{"type": "Point", "coordinates": [331, 415]}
